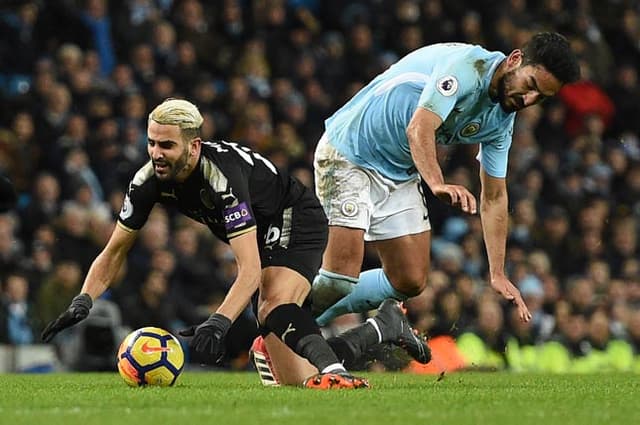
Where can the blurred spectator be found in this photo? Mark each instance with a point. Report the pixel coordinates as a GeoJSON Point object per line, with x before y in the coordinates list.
{"type": "Point", "coordinates": [553, 237]}
{"type": "Point", "coordinates": [20, 155]}
{"type": "Point", "coordinates": [568, 350]}
{"type": "Point", "coordinates": [95, 17]}
{"type": "Point", "coordinates": [583, 98]}
{"type": "Point", "coordinates": [73, 241]}
{"type": "Point", "coordinates": [624, 89]}
{"type": "Point", "coordinates": [18, 320]}
{"type": "Point", "coordinates": [58, 290]}
{"type": "Point", "coordinates": [152, 305]}
{"type": "Point", "coordinates": [11, 250]}
{"type": "Point", "coordinates": [606, 353]}
{"type": "Point", "coordinates": [18, 30]}
{"type": "Point", "coordinates": [482, 346]}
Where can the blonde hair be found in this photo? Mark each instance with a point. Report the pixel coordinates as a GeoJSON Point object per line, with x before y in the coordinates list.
{"type": "Point", "coordinates": [179, 112]}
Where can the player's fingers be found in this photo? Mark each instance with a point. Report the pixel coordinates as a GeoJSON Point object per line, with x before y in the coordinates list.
{"type": "Point", "coordinates": [507, 295]}
{"type": "Point", "coordinates": [49, 332]}
{"type": "Point", "coordinates": [464, 201]}
{"type": "Point", "coordinates": [471, 203]}
{"type": "Point", "coordinates": [188, 332]}
{"type": "Point", "coordinates": [524, 313]}
{"type": "Point", "coordinates": [200, 343]}
{"type": "Point", "coordinates": [473, 206]}
{"type": "Point", "coordinates": [54, 327]}
{"type": "Point", "coordinates": [523, 310]}
{"type": "Point", "coordinates": [453, 197]}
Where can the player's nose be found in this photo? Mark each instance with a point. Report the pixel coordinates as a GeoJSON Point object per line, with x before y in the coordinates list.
{"type": "Point", "coordinates": [154, 152]}
{"type": "Point", "coordinates": [530, 98]}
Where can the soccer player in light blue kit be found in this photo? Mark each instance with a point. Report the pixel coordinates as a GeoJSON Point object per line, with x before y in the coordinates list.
{"type": "Point", "coordinates": [378, 146]}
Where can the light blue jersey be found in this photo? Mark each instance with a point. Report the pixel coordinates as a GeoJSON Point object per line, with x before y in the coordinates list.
{"type": "Point", "coordinates": [449, 79]}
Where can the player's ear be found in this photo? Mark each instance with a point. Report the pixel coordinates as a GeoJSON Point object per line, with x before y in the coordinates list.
{"type": "Point", "coordinates": [194, 146]}
{"type": "Point", "coordinates": [515, 58]}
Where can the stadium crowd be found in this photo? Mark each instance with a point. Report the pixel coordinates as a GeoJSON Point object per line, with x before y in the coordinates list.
{"type": "Point", "coordinates": [78, 79]}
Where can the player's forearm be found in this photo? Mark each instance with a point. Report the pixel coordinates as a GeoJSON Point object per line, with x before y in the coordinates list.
{"type": "Point", "coordinates": [102, 273]}
{"type": "Point", "coordinates": [240, 294]}
{"type": "Point", "coordinates": [422, 142]}
{"type": "Point", "coordinates": [495, 222]}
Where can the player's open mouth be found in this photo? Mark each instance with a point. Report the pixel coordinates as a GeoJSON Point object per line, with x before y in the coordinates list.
{"type": "Point", "coordinates": [161, 168]}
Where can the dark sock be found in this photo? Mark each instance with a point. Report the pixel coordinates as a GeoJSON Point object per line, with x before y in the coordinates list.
{"type": "Point", "coordinates": [350, 345]}
{"type": "Point", "coordinates": [299, 331]}
{"type": "Point", "coordinates": [347, 353]}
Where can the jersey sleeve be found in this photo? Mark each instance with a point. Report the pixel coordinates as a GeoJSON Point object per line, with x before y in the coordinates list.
{"type": "Point", "coordinates": [450, 81]}
{"type": "Point", "coordinates": [494, 156]}
{"type": "Point", "coordinates": [236, 208]}
{"type": "Point", "coordinates": [138, 202]}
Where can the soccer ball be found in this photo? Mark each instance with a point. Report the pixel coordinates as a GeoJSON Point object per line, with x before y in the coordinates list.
{"type": "Point", "coordinates": [150, 356]}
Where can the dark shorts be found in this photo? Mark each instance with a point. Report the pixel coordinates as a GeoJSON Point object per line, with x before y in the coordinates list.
{"type": "Point", "coordinates": [297, 237]}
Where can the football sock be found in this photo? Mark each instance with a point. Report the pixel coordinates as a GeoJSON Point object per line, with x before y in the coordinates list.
{"type": "Point", "coordinates": [349, 346]}
{"type": "Point", "coordinates": [335, 279]}
{"type": "Point", "coordinates": [328, 288]}
{"type": "Point", "coordinates": [373, 288]}
{"type": "Point", "coordinates": [297, 329]}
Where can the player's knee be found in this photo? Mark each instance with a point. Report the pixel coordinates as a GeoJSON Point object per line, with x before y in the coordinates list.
{"type": "Point", "coordinates": [410, 283]}
{"type": "Point", "coordinates": [265, 307]}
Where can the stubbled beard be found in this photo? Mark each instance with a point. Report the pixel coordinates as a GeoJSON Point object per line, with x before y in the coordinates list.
{"type": "Point", "coordinates": [502, 93]}
{"type": "Point", "coordinates": [173, 168]}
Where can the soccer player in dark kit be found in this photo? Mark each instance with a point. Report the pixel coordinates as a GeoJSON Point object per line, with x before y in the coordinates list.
{"type": "Point", "coordinates": [274, 225]}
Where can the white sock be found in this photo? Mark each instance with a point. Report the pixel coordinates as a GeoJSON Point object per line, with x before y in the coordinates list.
{"type": "Point", "coordinates": [334, 368]}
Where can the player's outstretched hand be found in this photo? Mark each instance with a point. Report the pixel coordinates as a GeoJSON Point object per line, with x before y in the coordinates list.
{"type": "Point", "coordinates": [77, 311]}
{"type": "Point", "coordinates": [208, 337]}
{"type": "Point", "coordinates": [457, 196]}
{"type": "Point", "coordinates": [509, 291]}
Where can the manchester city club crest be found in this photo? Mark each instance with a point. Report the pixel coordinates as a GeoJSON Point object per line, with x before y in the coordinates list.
{"type": "Point", "coordinates": [349, 208]}
{"type": "Point", "coordinates": [470, 129]}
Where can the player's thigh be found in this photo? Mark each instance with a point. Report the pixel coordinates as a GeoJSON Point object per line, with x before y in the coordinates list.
{"type": "Point", "coordinates": [345, 250]}
{"type": "Point", "coordinates": [344, 190]}
{"type": "Point", "coordinates": [289, 368]}
{"type": "Point", "coordinates": [297, 238]}
{"type": "Point", "coordinates": [401, 212]}
{"type": "Point", "coordinates": [280, 285]}
{"type": "Point", "coordinates": [405, 261]}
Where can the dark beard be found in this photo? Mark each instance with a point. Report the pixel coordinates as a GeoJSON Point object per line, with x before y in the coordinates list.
{"type": "Point", "coordinates": [176, 167]}
{"type": "Point", "coordinates": [501, 95]}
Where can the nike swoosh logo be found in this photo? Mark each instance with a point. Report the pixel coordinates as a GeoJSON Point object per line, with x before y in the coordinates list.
{"type": "Point", "coordinates": [146, 349]}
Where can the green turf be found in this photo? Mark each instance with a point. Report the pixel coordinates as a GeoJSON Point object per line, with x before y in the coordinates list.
{"type": "Point", "coordinates": [237, 399]}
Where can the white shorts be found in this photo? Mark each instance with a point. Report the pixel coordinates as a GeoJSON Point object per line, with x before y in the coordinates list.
{"type": "Point", "coordinates": [360, 198]}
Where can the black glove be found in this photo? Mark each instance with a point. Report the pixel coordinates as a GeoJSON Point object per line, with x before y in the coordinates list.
{"type": "Point", "coordinates": [77, 311]}
{"type": "Point", "coordinates": [208, 338]}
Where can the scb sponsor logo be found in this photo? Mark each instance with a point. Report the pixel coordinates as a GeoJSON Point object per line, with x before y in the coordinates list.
{"type": "Point", "coordinates": [236, 215]}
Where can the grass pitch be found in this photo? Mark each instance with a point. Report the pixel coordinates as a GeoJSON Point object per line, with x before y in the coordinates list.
{"type": "Point", "coordinates": [239, 398]}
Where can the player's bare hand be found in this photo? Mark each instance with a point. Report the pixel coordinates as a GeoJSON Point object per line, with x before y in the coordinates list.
{"type": "Point", "coordinates": [508, 290]}
{"type": "Point", "coordinates": [457, 196]}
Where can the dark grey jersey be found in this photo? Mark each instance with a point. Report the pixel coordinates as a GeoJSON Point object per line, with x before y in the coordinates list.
{"type": "Point", "coordinates": [232, 190]}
